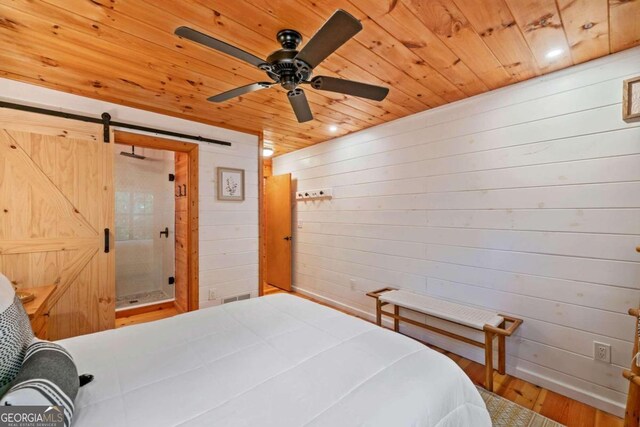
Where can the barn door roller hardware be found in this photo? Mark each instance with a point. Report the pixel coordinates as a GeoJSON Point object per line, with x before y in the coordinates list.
{"type": "Point", "coordinates": [105, 120]}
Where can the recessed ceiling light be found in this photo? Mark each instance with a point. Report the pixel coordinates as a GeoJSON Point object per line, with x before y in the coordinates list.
{"type": "Point", "coordinates": [554, 53]}
{"type": "Point", "coordinates": [588, 25]}
{"type": "Point", "coordinates": [267, 151]}
{"type": "Point", "coordinates": [333, 128]}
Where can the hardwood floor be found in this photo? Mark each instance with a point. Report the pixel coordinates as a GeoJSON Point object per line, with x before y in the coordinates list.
{"type": "Point", "coordinates": [552, 405]}
{"type": "Point", "coordinates": [268, 290]}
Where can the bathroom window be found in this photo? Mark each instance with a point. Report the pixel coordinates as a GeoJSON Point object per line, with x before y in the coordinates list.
{"type": "Point", "coordinates": [134, 215]}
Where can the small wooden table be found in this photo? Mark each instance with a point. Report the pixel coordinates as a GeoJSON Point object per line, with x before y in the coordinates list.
{"type": "Point", "coordinates": [38, 309]}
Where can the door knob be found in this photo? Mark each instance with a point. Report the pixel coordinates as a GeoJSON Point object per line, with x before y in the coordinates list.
{"type": "Point", "coordinates": [288, 238]}
{"type": "Point", "coordinates": [165, 232]}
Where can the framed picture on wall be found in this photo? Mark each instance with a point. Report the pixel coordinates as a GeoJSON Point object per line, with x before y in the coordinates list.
{"type": "Point", "coordinates": [631, 99]}
{"type": "Point", "coordinates": [230, 184]}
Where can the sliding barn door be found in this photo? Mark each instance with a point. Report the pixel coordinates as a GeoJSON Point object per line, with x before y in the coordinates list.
{"type": "Point", "coordinates": [56, 202]}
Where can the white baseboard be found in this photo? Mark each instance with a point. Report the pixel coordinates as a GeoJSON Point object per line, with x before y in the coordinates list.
{"type": "Point", "coordinates": [590, 398]}
{"type": "Point", "coordinates": [356, 311]}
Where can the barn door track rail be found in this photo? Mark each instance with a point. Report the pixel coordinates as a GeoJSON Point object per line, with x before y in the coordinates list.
{"type": "Point", "coordinates": [106, 121]}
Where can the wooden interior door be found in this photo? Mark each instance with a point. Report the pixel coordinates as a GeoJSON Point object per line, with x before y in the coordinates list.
{"type": "Point", "coordinates": [278, 230]}
{"type": "Point", "coordinates": [56, 203]}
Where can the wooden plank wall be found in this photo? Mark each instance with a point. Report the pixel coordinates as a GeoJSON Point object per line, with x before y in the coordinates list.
{"type": "Point", "coordinates": [524, 200]}
{"type": "Point", "coordinates": [182, 232]}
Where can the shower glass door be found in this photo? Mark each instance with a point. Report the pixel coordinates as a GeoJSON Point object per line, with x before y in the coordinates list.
{"type": "Point", "coordinates": [145, 215]}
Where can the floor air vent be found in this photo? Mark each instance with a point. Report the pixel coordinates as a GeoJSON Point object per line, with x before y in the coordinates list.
{"type": "Point", "coordinates": [236, 298]}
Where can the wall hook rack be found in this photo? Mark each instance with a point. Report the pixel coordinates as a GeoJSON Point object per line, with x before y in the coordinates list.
{"type": "Point", "coordinates": [319, 194]}
{"type": "Point", "coordinates": [182, 190]}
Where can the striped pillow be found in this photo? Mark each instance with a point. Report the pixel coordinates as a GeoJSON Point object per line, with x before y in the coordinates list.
{"type": "Point", "coordinates": [15, 334]}
{"type": "Point", "coordinates": [48, 377]}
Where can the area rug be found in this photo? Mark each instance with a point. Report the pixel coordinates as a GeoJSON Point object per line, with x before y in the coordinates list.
{"type": "Point", "coordinates": [505, 413]}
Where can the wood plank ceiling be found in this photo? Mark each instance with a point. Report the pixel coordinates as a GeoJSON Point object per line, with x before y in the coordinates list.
{"type": "Point", "coordinates": [429, 52]}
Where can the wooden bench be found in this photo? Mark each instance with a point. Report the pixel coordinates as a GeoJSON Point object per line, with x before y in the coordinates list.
{"type": "Point", "coordinates": [491, 323]}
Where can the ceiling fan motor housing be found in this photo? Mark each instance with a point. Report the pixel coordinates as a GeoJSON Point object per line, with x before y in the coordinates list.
{"type": "Point", "coordinates": [282, 67]}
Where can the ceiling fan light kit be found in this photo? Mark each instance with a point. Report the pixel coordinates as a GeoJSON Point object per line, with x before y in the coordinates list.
{"type": "Point", "coordinates": [291, 68]}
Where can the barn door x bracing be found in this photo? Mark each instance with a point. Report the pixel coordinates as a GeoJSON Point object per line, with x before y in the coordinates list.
{"type": "Point", "coordinates": [56, 202]}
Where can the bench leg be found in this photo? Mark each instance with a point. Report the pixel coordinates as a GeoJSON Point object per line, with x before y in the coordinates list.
{"type": "Point", "coordinates": [378, 312]}
{"type": "Point", "coordinates": [502, 354]}
{"type": "Point", "coordinates": [488, 360]}
{"type": "Point", "coordinates": [396, 322]}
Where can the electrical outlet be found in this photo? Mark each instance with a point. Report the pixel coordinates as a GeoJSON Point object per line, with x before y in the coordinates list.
{"type": "Point", "coordinates": [212, 294]}
{"type": "Point", "coordinates": [602, 352]}
{"type": "Point", "coordinates": [352, 284]}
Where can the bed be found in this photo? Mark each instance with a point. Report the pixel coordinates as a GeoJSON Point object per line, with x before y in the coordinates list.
{"type": "Point", "coordinates": [278, 360]}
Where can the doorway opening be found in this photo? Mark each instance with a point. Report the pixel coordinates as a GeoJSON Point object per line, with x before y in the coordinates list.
{"type": "Point", "coordinates": [156, 224]}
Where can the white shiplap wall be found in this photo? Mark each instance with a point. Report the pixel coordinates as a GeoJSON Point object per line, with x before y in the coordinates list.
{"type": "Point", "coordinates": [228, 230]}
{"type": "Point", "coordinates": [525, 200]}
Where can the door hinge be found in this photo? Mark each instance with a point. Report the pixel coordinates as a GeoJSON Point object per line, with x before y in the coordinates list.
{"type": "Point", "coordinates": [172, 177]}
{"type": "Point", "coordinates": [172, 280]}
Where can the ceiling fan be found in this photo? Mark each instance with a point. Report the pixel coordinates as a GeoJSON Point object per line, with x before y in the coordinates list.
{"type": "Point", "coordinates": [291, 68]}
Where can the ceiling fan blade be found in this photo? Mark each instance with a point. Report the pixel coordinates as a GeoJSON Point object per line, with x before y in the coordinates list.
{"type": "Point", "coordinates": [349, 87]}
{"type": "Point", "coordinates": [333, 34]}
{"type": "Point", "coordinates": [198, 37]}
{"type": "Point", "coordinates": [221, 97]}
{"type": "Point", "coordinates": [300, 106]}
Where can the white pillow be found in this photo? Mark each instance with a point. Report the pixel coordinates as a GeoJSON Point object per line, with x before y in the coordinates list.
{"type": "Point", "coordinates": [6, 293]}
{"type": "Point", "coordinates": [15, 334]}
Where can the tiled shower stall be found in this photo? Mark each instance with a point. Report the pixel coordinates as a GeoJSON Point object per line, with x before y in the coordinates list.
{"type": "Point", "coordinates": [145, 207]}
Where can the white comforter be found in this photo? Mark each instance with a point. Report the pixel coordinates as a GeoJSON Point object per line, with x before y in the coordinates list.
{"type": "Point", "coordinates": [272, 361]}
